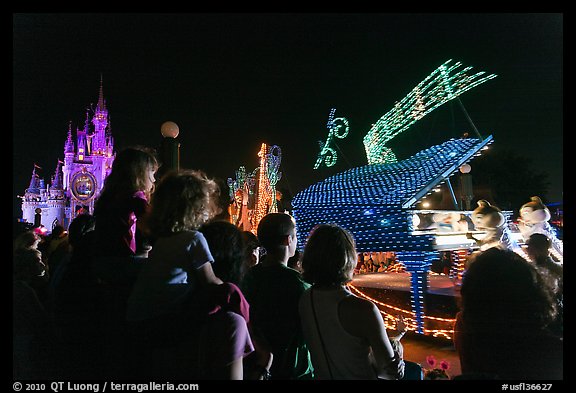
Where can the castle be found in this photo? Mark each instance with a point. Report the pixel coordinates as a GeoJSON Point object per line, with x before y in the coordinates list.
{"type": "Point", "coordinates": [78, 180]}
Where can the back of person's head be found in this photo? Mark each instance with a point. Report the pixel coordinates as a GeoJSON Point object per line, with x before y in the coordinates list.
{"type": "Point", "coordinates": [251, 248]}
{"type": "Point", "coordinates": [183, 200]}
{"type": "Point", "coordinates": [27, 264]}
{"type": "Point", "coordinates": [273, 229]}
{"type": "Point", "coordinates": [58, 231]}
{"type": "Point", "coordinates": [28, 239]}
{"type": "Point", "coordinates": [79, 226]}
{"type": "Point", "coordinates": [501, 287]}
{"type": "Point", "coordinates": [227, 248]}
{"type": "Point", "coordinates": [538, 245]}
{"type": "Point", "coordinates": [130, 173]}
{"type": "Point", "coordinates": [329, 256]}
{"type": "Point", "coordinates": [250, 241]}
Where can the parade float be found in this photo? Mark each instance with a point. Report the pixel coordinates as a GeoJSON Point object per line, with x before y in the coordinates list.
{"type": "Point", "coordinates": [382, 203]}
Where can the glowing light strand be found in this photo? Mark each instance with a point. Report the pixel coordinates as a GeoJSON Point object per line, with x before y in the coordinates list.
{"type": "Point", "coordinates": [441, 86]}
{"type": "Point", "coordinates": [390, 320]}
{"type": "Point", "coordinates": [263, 196]}
{"type": "Point", "coordinates": [268, 176]}
{"type": "Point", "coordinates": [328, 154]}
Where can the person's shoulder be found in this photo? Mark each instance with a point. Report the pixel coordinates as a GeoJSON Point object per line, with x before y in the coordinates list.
{"type": "Point", "coordinates": [358, 314]}
{"type": "Point", "coordinates": [250, 278]}
{"type": "Point", "coordinates": [359, 309]}
{"type": "Point", "coordinates": [255, 270]}
{"type": "Point", "coordinates": [230, 288]}
{"type": "Point", "coordinates": [189, 236]}
{"type": "Point", "coordinates": [357, 303]}
{"type": "Point", "coordinates": [294, 276]}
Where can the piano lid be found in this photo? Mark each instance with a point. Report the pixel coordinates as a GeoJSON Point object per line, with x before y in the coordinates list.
{"type": "Point", "coordinates": [400, 184]}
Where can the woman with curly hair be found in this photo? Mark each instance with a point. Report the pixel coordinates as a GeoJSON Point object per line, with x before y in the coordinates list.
{"type": "Point", "coordinates": [501, 330]}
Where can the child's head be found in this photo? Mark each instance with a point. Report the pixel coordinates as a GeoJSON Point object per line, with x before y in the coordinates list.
{"type": "Point", "coordinates": [226, 245]}
{"type": "Point", "coordinates": [183, 200]}
{"type": "Point", "coordinates": [28, 239]}
{"type": "Point", "coordinates": [329, 256]}
{"type": "Point", "coordinates": [27, 264]}
{"type": "Point", "coordinates": [133, 170]}
{"type": "Point", "coordinates": [538, 246]}
{"type": "Point", "coordinates": [273, 231]}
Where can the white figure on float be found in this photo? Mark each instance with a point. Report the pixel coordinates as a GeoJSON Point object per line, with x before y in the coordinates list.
{"type": "Point", "coordinates": [490, 219]}
{"type": "Point", "coordinates": [534, 217]}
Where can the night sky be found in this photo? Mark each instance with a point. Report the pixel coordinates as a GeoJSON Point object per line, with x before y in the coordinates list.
{"type": "Point", "coordinates": [234, 81]}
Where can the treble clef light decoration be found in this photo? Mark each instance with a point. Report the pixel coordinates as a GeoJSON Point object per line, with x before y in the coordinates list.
{"type": "Point", "coordinates": [274, 157]}
{"type": "Point", "coordinates": [327, 153]}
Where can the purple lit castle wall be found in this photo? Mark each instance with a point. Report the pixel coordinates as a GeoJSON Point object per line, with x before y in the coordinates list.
{"type": "Point", "coordinates": [78, 180]}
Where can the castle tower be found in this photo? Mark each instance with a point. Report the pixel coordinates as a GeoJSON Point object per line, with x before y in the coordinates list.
{"type": "Point", "coordinates": [55, 201]}
{"type": "Point", "coordinates": [31, 198]}
{"type": "Point", "coordinates": [77, 183]}
{"type": "Point", "coordinates": [68, 158]}
{"type": "Point", "coordinates": [100, 121]}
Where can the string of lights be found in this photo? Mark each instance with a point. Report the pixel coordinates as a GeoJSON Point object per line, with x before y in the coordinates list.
{"type": "Point", "coordinates": [442, 85]}
{"type": "Point", "coordinates": [390, 314]}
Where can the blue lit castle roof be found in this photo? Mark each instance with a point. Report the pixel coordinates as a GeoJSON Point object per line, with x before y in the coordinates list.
{"type": "Point", "coordinates": [372, 201]}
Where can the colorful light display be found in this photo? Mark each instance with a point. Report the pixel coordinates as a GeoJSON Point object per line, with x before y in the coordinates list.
{"type": "Point", "coordinates": [254, 195]}
{"type": "Point", "coordinates": [375, 202]}
{"type": "Point", "coordinates": [441, 86]}
{"type": "Point", "coordinates": [268, 176]}
{"type": "Point", "coordinates": [370, 201]}
{"type": "Point", "coordinates": [328, 154]}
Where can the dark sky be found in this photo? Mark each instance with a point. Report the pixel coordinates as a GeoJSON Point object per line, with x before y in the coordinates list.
{"type": "Point", "coordinates": [233, 81]}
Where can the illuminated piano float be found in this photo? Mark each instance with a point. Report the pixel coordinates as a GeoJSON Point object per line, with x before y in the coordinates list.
{"type": "Point", "coordinates": [377, 203]}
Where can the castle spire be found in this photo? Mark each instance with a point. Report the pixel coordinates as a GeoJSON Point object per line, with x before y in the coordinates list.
{"type": "Point", "coordinates": [57, 179]}
{"type": "Point", "coordinates": [87, 122]}
{"type": "Point", "coordinates": [100, 121]}
{"type": "Point", "coordinates": [69, 145]}
{"type": "Point", "coordinates": [101, 104]}
{"type": "Point", "coordinates": [34, 180]}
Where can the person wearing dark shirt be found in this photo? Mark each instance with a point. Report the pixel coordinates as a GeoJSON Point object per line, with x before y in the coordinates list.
{"type": "Point", "coordinates": [273, 291]}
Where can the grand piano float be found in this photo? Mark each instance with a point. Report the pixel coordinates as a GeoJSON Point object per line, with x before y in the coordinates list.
{"type": "Point", "coordinates": [379, 203]}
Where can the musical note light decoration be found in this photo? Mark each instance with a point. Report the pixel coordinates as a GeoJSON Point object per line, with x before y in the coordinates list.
{"type": "Point", "coordinates": [327, 154]}
{"type": "Point", "coordinates": [444, 84]}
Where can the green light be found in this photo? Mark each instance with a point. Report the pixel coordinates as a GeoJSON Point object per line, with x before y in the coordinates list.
{"type": "Point", "coordinates": [328, 154]}
{"type": "Point", "coordinates": [441, 86]}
